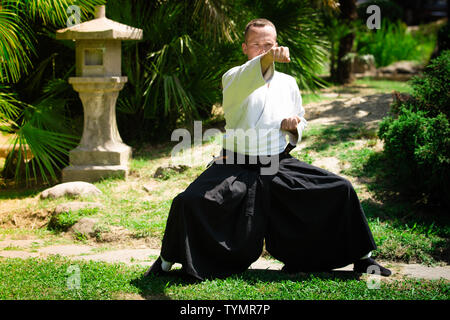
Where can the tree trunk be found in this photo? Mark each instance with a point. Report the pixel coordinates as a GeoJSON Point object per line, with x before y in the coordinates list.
{"type": "Point", "coordinates": [333, 62]}
{"type": "Point", "coordinates": [347, 16]}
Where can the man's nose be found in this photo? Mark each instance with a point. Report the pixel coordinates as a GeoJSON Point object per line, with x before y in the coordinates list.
{"type": "Point", "coordinates": [263, 50]}
{"type": "Point", "coordinates": [266, 48]}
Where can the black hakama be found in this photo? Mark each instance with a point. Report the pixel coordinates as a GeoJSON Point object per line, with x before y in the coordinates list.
{"type": "Point", "coordinates": [309, 218]}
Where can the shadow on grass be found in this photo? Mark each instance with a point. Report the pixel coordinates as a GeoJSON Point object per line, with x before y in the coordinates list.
{"type": "Point", "coordinates": [400, 202]}
{"type": "Point", "coordinates": [162, 150]}
{"type": "Point", "coordinates": [373, 107]}
{"type": "Point", "coordinates": [153, 152]}
{"type": "Point", "coordinates": [21, 193]}
{"type": "Point", "coordinates": [407, 220]}
{"type": "Point", "coordinates": [331, 135]}
{"type": "Point", "coordinates": [154, 287]}
{"type": "Point", "coordinates": [402, 209]}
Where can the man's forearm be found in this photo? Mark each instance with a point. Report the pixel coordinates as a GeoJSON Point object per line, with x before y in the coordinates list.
{"type": "Point", "coordinates": [266, 61]}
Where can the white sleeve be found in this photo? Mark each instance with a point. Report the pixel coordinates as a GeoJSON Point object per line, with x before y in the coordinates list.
{"type": "Point", "coordinates": [300, 111]}
{"type": "Point", "coordinates": [239, 82]}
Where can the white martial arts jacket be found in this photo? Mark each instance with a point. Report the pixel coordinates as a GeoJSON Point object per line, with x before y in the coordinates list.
{"type": "Point", "coordinates": [254, 107]}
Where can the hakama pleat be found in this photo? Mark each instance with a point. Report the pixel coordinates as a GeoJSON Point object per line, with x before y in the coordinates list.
{"type": "Point", "coordinates": [309, 218]}
{"type": "Point", "coordinates": [316, 222]}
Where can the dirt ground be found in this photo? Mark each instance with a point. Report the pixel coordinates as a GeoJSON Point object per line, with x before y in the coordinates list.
{"type": "Point", "coordinates": [367, 109]}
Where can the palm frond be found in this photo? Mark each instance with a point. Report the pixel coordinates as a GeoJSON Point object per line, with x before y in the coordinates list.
{"type": "Point", "coordinates": [57, 12]}
{"type": "Point", "coordinates": [125, 105]}
{"type": "Point", "coordinates": [35, 150]}
{"type": "Point", "coordinates": [9, 105]}
{"type": "Point", "coordinates": [214, 19]}
{"type": "Point", "coordinates": [16, 46]}
{"type": "Point", "coordinates": [42, 139]}
{"type": "Point", "coordinates": [33, 82]}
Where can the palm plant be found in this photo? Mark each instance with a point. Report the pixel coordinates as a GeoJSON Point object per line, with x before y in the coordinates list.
{"type": "Point", "coordinates": [175, 71]}
{"type": "Point", "coordinates": [33, 104]}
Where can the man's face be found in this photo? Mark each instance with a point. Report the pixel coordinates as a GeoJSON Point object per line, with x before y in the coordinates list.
{"type": "Point", "coordinates": [259, 40]}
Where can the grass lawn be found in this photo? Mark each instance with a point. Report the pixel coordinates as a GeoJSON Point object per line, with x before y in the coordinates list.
{"type": "Point", "coordinates": [404, 232]}
{"type": "Point", "coordinates": [55, 279]}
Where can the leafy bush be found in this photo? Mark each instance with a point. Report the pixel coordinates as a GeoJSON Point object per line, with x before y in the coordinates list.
{"type": "Point", "coordinates": [432, 89]}
{"type": "Point", "coordinates": [419, 149]}
{"type": "Point", "coordinates": [417, 135]}
{"type": "Point", "coordinates": [390, 43]}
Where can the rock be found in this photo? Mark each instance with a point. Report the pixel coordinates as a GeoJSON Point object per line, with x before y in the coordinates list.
{"type": "Point", "coordinates": [150, 186]}
{"type": "Point", "coordinates": [163, 172]}
{"type": "Point", "coordinates": [86, 227]}
{"type": "Point", "coordinates": [73, 189]}
{"type": "Point", "coordinates": [363, 63]}
{"type": "Point", "coordinates": [114, 233]}
{"type": "Point", "coordinates": [401, 67]}
{"type": "Point", "coordinates": [91, 228]}
{"type": "Point", "coordinates": [147, 188]}
{"type": "Point", "coordinates": [75, 206]}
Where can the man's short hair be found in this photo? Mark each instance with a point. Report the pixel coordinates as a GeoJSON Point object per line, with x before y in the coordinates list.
{"type": "Point", "coordinates": [260, 22]}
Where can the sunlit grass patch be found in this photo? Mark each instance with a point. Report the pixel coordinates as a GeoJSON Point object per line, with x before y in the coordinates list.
{"type": "Point", "coordinates": [61, 279]}
{"type": "Point", "coordinates": [385, 86]}
{"type": "Point", "coordinates": [357, 159]}
{"type": "Point", "coordinates": [322, 137]}
{"type": "Point", "coordinates": [308, 98]}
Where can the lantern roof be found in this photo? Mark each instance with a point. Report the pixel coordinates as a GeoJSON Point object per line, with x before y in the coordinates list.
{"type": "Point", "coordinates": [99, 28]}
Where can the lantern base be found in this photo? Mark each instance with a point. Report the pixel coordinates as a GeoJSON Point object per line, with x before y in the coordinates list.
{"type": "Point", "coordinates": [93, 173]}
{"type": "Point", "coordinates": [117, 155]}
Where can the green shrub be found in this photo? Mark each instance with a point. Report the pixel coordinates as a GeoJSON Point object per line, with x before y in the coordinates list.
{"type": "Point", "coordinates": [417, 135]}
{"type": "Point", "coordinates": [390, 43]}
{"type": "Point", "coordinates": [432, 89]}
{"type": "Point", "coordinates": [419, 149]}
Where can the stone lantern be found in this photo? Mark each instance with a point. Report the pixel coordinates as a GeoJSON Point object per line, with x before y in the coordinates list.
{"type": "Point", "coordinates": [101, 152]}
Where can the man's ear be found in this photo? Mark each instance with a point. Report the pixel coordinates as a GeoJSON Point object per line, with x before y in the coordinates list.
{"type": "Point", "coordinates": [244, 48]}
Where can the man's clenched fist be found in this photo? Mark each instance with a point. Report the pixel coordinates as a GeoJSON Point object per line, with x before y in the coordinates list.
{"type": "Point", "coordinates": [274, 54]}
{"type": "Point", "coordinates": [290, 124]}
{"type": "Point", "coordinates": [279, 54]}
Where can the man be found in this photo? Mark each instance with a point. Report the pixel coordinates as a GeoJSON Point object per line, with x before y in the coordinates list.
{"type": "Point", "coordinates": [308, 218]}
